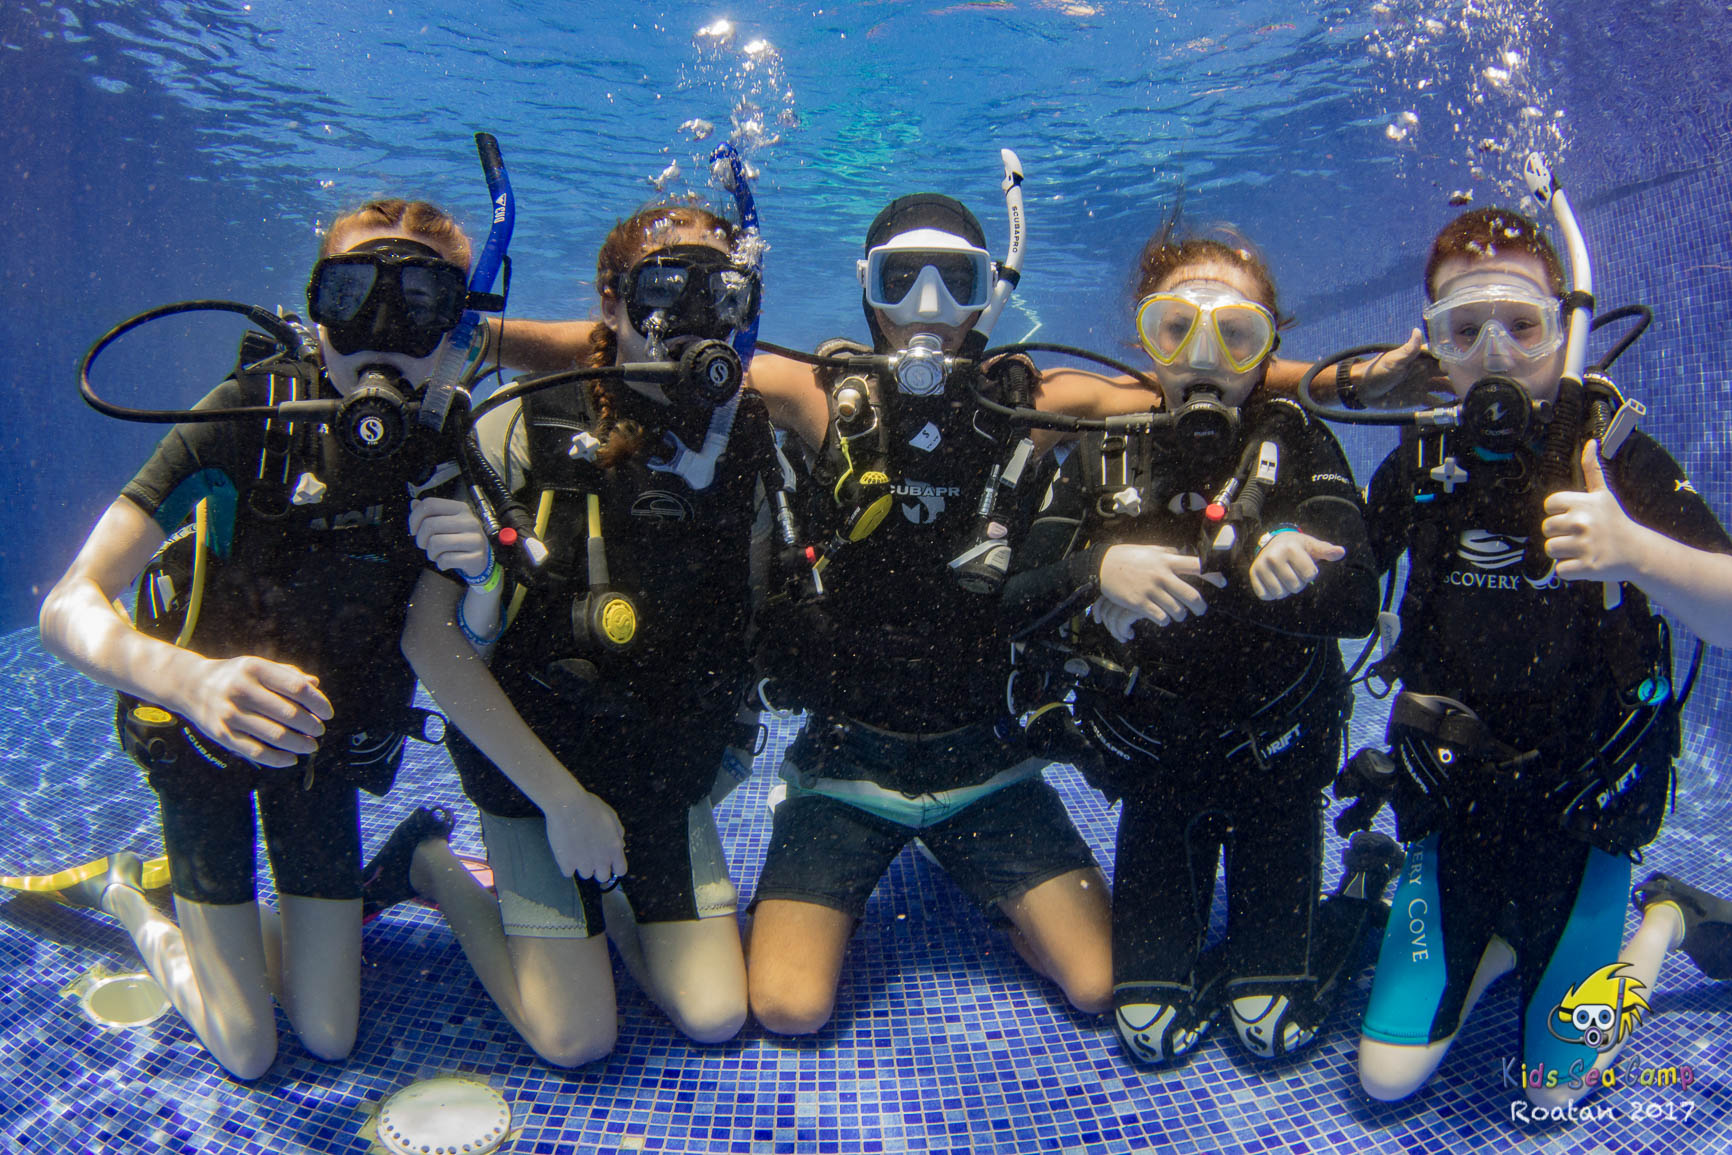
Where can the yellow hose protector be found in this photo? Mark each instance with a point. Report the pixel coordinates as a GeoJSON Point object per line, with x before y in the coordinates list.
{"type": "Point", "coordinates": [200, 563]}
{"type": "Point", "coordinates": [543, 514]}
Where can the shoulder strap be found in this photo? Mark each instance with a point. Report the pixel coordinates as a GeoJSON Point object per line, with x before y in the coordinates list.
{"type": "Point", "coordinates": [552, 418]}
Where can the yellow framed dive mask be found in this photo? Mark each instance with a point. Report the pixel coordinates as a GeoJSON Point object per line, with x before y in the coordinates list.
{"type": "Point", "coordinates": [1205, 327]}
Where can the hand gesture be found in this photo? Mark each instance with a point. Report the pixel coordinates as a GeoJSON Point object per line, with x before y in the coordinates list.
{"type": "Point", "coordinates": [1289, 563]}
{"type": "Point", "coordinates": [1151, 581]}
{"type": "Point", "coordinates": [1408, 369]}
{"type": "Point", "coordinates": [267, 712]}
{"type": "Point", "coordinates": [1589, 533]}
{"type": "Point", "coordinates": [585, 836]}
{"type": "Point", "coordinates": [451, 536]}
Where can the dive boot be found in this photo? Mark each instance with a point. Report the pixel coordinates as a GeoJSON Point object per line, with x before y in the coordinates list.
{"type": "Point", "coordinates": [385, 879]}
{"type": "Point", "coordinates": [1707, 922]}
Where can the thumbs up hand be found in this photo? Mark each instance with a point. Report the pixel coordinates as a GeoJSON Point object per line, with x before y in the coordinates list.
{"type": "Point", "coordinates": [1589, 533]}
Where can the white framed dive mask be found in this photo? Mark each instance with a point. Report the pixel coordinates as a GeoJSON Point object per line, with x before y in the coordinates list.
{"type": "Point", "coordinates": [927, 275]}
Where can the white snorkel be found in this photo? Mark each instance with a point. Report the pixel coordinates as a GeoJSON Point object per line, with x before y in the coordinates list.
{"type": "Point", "coordinates": [1580, 299]}
{"type": "Point", "coordinates": [1010, 269]}
{"type": "Point", "coordinates": [1580, 303]}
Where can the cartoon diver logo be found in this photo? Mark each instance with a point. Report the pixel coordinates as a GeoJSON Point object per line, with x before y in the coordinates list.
{"type": "Point", "coordinates": [1603, 1009]}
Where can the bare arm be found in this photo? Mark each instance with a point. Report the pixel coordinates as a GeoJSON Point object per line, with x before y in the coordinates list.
{"type": "Point", "coordinates": [266, 711]}
{"type": "Point", "coordinates": [791, 391]}
{"type": "Point", "coordinates": [583, 831]}
{"type": "Point", "coordinates": [540, 346]}
{"type": "Point", "coordinates": [1082, 393]}
{"type": "Point", "coordinates": [1396, 378]}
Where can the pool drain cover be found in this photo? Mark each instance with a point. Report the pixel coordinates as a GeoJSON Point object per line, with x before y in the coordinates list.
{"type": "Point", "coordinates": [444, 1116]}
{"type": "Point", "coordinates": [119, 1002]}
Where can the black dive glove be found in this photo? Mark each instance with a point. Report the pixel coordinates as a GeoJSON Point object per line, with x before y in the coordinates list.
{"type": "Point", "coordinates": [1368, 780]}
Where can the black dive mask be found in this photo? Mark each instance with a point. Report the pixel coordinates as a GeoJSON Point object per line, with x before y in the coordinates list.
{"type": "Point", "coordinates": [389, 296]}
{"type": "Point", "coordinates": [1497, 415]}
{"type": "Point", "coordinates": [689, 291]}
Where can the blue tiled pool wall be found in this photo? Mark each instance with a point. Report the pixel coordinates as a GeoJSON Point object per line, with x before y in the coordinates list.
{"type": "Point", "coordinates": [943, 1041]}
{"type": "Point", "coordinates": [1667, 242]}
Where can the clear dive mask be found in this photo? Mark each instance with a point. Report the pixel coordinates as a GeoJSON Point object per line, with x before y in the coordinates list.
{"type": "Point", "coordinates": [927, 275]}
{"type": "Point", "coordinates": [1205, 328]}
{"type": "Point", "coordinates": [1499, 326]}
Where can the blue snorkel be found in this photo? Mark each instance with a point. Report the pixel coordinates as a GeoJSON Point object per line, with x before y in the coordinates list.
{"type": "Point", "coordinates": [730, 171]}
{"type": "Point", "coordinates": [443, 385]}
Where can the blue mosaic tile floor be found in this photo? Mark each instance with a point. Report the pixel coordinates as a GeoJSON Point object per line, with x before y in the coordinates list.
{"type": "Point", "coordinates": [942, 1040]}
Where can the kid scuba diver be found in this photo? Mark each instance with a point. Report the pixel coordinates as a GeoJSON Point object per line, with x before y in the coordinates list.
{"type": "Point", "coordinates": [344, 431]}
{"type": "Point", "coordinates": [623, 658]}
{"type": "Point", "coordinates": [263, 683]}
{"type": "Point", "coordinates": [1525, 408]}
{"type": "Point", "coordinates": [1227, 524]}
{"type": "Point", "coordinates": [917, 488]}
{"type": "Point", "coordinates": [932, 294]}
{"type": "Point", "coordinates": [1531, 744]}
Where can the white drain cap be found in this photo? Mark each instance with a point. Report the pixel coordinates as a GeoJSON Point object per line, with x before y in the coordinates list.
{"type": "Point", "coordinates": [444, 1116]}
{"type": "Point", "coordinates": [120, 1002]}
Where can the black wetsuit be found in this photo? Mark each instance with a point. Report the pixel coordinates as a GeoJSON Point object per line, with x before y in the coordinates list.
{"type": "Point", "coordinates": [643, 729]}
{"type": "Point", "coordinates": [1551, 672]}
{"type": "Point", "coordinates": [903, 671]}
{"type": "Point", "coordinates": [1228, 731]}
{"type": "Point", "coordinates": [321, 583]}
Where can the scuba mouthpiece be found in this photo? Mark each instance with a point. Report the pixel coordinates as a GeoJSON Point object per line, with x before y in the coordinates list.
{"type": "Point", "coordinates": [374, 420]}
{"type": "Point", "coordinates": [1205, 425]}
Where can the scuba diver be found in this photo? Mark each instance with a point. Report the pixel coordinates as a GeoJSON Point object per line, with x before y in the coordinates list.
{"type": "Point", "coordinates": [894, 651]}
{"type": "Point", "coordinates": [1179, 597]}
{"type": "Point", "coordinates": [263, 675]}
{"type": "Point", "coordinates": [619, 664]}
{"type": "Point", "coordinates": [1532, 742]}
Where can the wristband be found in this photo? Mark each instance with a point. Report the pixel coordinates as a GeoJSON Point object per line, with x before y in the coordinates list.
{"type": "Point", "coordinates": [476, 639]}
{"type": "Point", "coordinates": [489, 578]}
{"type": "Point", "coordinates": [1346, 391]}
{"type": "Point", "coordinates": [1273, 534]}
